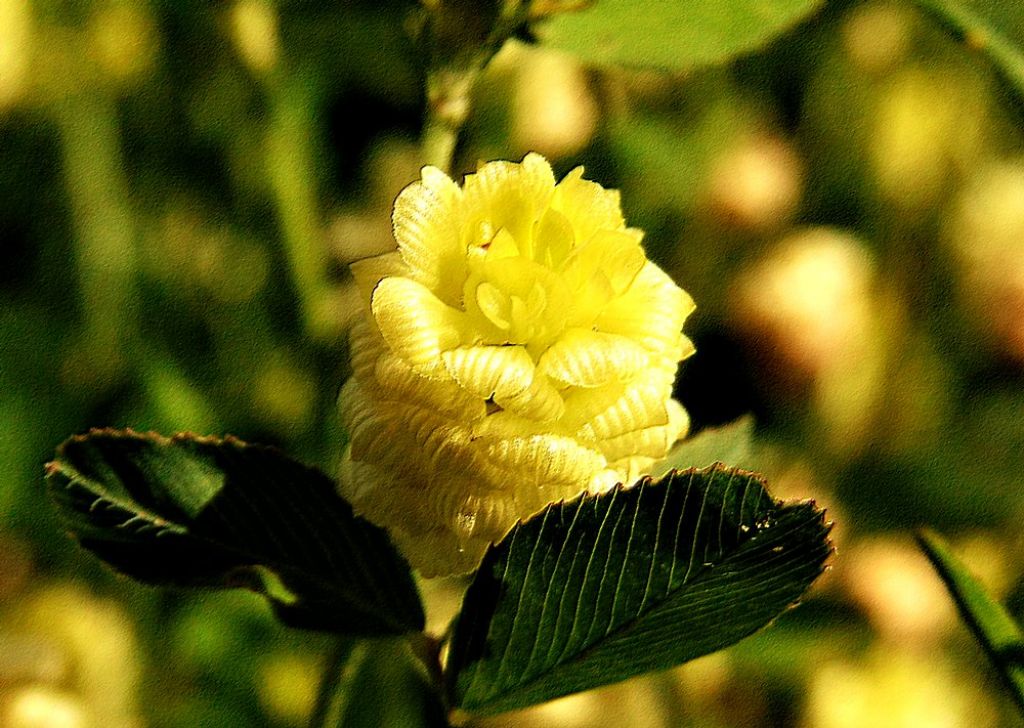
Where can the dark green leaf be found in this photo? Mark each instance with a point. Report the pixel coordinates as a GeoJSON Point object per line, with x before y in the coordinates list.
{"type": "Point", "coordinates": [732, 443]}
{"type": "Point", "coordinates": [671, 34]}
{"type": "Point", "coordinates": [991, 624]}
{"type": "Point", "coordinates": [198, 511]}
{"type": "Point", "coordinates": [605, 587]}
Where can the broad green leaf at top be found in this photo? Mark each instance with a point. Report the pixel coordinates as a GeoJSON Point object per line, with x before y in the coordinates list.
{"type": "Point", "coordinates": [204, 512]}
{"type": "Point", "coordinates": [671, 34]}
{"type": "Point", "coordinates": [994, 628]}
{"type": "Point", "coordinates": [605, 587]}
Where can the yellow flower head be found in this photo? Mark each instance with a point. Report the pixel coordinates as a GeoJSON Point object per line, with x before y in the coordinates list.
{"type": "Point", "coordinates": [519, 348]}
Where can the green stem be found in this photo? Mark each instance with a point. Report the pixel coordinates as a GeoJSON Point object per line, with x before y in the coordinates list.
{"type": "Point", "coordinates": [439, 141]}
{"type": "Point", "coordinates": [459, 56]}
{"type": "Point", "coordinates": [291, 170]}
{"type": "Point", "coordinates": [427, 650]}
{"type": "Point", "coordinates": [103, 223]}
{"type": "Point", "coordinates": [449, 92]}
{"type": "Point", "coordinates": [333, 695]}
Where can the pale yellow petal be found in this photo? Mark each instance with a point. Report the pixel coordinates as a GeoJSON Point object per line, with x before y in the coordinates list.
{"type": "Point", "coordinates": [511, 196]}
{"type": "Point", "coordinates": [537, 302]}
{"type": "Point", "coordinates": [413, 440]}
{"type": "Point", "coordinates": [620, 256]}
{"type": "Point", "coordinates": [504, 423]}
{"type": "Point", "coordinates": [374, 439]}
{"type": "Point", "coordinates": [615, 255]}
{"type": "Point", "coordinates": [686, 348]}
{"type": "Point", "coordinates": [537, 176]}
{"type": "Point", "coordinates": [588, 205]}
{"type": "Point", "coordinates": [368, 427]}
{"type": "Point", "coordinates": [377, 492]}
{"type": "Point", "coordinates": [397, 381]}
{"type": "Point", "coordinates": [384, 440]}
{"type": "Point", "coordinates": [368, 272]}
{"type": "Point", "coordinates": [678, 421]}
{"type": "Point", "coordinates": [663, 369]}
{"type": "Point", "coordinates": [428, 223]}
{"type": "Point", "coordinates": [584, 403]}
{"type": "Point", "coordinates": [541, 460]}
{"type": "Point", "coordinates": [653, 442]}
{"type": "Point", "coordinates": [487, 372]}
{"type": "Point", "coordinates": [495, 305]}
{"type": "Point", "coordinates": [532, 181]}
{"type": "Point", "coordinates": [363, 416]}
{"type": "Point", "coordinates": [503, 245]}
{"type": "Point", "coordinates": [415, 324]}
{"type": "Point", "coordinates": [438, 552]}
{"type": "Point", "coordinates": [651, 311]}
{"type": "Point", "coordinates": [553, 239]}
{"type": "Point", "coordinates": [365, 347]}
{"type": "Point", "coordinates": [631, 469]}
{"type": "Point", "coordinates": [472, 509]}
{"type": "Point", "coordinates": [352, 484]}
{"type": "Point", "coordinates": [488, 310]}
{"type": "Point", "coordinates": [588, 300]}
{"type": "Point", "coordinates": [539, 402]}
{"type": "Point", "coordinates": [599, 271]}
{"type": "Point", "coordinates": [605, 480]}
{"type": "Point", "coordinates": [529, 501]}
{"type": "Point", "coordinates": [582, 358]}
{"type": "Point", "coordinates": [445, 445]}
{"type": "Point", "coordinates": [639, 408]}
{"type": "Point", "coordinates": [347, 477]}
{"type": "Point", "coordinates": [353, 405]}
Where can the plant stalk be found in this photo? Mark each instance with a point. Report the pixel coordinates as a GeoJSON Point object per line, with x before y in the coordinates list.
{"type": "Point", "coordinates": [103, 222]}
{"type": "Point", "coordinates": [332, 696]}
{"type": "Point", "coordinates": [291, 169]}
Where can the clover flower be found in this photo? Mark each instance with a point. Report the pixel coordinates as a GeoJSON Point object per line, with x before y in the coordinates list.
{"type": "Point", "coordinates": [518, 348]}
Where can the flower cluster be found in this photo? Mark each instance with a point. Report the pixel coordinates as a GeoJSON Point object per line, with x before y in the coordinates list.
{"type": "Point", "coordinates": [518, 348]}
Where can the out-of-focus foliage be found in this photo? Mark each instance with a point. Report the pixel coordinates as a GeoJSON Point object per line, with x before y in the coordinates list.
{"type": "Point", "coordinates": [670, 35]}
{"type": "Point", "coordinates": [993, 29]}
{"type": "Point", "coordinates": [995, 630]}
{"type": "Point", "coordinates": [184, 184]}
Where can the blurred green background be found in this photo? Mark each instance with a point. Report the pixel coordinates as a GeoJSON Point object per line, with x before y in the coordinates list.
{"type": "Point", "coordinates": [182, 186]}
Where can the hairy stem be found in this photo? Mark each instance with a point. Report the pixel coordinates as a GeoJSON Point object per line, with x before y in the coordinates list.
{"type": "Point", "coordinates": [449, 92]}
{"type": "Point", "coordinates": [463, 44]}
